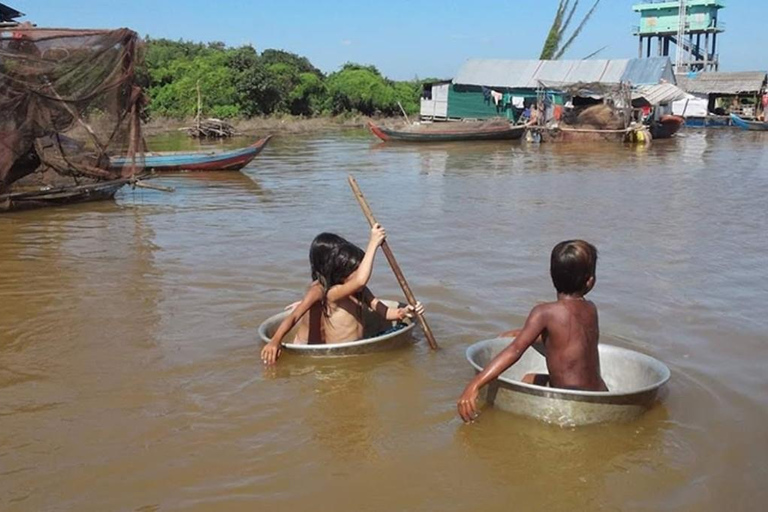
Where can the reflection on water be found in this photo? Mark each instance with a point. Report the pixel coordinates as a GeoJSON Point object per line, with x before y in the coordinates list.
{"type": "Point", "coordinates": [129, 368]}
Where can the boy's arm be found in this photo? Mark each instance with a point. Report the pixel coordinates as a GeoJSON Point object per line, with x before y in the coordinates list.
{"type": "Point", "coordinates": [538, 344]}
{"type": "Point", "coordinates": [534, 326]}
{"type": "Point", "coordinates": [273, 349]}
{"type": "Point", "coordinates": [360, 277]}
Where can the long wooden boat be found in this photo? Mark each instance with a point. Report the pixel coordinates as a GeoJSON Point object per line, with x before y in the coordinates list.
{"type": "Point", "coordinates": [449, 132]}
{"type": "Point", "coordinates": [666, 127]}
{"type": "Point", "coordinates": [758, 126]}
{"type": "Point", "coordinates": [380, 335]}
{"type": "Point", "coordinates": [232, 160]}
{"type": "Point", "coordinates": [633, 381]}
{"type": "Point", "coordinates": [41, 198]}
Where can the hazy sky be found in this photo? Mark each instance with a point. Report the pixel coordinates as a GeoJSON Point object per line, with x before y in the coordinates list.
{"type": "Point", "coordinates": [404, 39]}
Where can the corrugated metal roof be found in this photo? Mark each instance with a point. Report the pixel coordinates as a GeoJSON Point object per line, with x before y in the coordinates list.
{"type": "Point", "coordinates": [526, 74]}
{"type": "Point", "coordinates": [660, 94]}
{"type": "Point", "coordinates": [648, 71]}
{"type": "Point", "coordinates": [8, 13]}
{"type": "Point", "coordinates": [723, 83]}
{"type": "Point", "coordinates": [615, 70]}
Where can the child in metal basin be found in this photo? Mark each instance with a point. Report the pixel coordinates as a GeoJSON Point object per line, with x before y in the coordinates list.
{"type": "Point", "coordinates": [332, 308]}
{"type": "Point", "coordinates": [567, 327]}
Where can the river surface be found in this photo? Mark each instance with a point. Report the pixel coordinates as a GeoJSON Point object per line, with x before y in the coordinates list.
{"type": "Point", "coordinates": [130, 376]}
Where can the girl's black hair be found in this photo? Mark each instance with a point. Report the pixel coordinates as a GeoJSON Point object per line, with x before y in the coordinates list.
{"type": "Point", "coordinates": [332, 259]}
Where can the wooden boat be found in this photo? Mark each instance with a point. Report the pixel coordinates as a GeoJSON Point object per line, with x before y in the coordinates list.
{"type": "Point", "coordinates": [449, 132]}
{"type": "Point", "coordinates": [758, 126]}
{"type": "Point", "coordinates": [634, 380]}
{"type": "Point", "coordinates": [233, 160]}
{"type": "Point", "coordinates": [666, 127]}
{"type": "Point", "coordinates": [28, 200]}
{"type": "Point", "coordinates": [380, 334]}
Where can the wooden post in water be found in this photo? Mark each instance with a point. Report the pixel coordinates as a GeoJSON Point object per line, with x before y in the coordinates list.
{"type": "Point", "coordinates": [392, 262]}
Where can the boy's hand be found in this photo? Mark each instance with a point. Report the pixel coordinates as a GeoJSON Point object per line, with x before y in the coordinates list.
{"type": "Point", "coordinates": [270, 353]}
{"type": "Point", "coordinates": [408, 311]}
{"type": "Point", "coordinates": [467, 404]}
{"type": "Point", "coordinates": [378, 234]}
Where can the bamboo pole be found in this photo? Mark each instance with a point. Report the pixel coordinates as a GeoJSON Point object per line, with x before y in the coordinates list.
{"type": "Point", "coordinates": [404, 114]}
{"type": "Point", "coordinates": [392, 262]}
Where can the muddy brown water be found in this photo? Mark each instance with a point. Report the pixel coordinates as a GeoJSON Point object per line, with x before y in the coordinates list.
{"type": "Point", "coordinates": [129, 370]}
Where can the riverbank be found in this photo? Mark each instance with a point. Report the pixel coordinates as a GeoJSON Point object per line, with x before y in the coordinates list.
{"type": "Point", "coordinates": [272, 124]}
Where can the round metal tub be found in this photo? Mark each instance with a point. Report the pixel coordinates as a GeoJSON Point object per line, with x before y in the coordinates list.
{"type": "Point", "coordinates": [633, 380]}
{"type": "Point", "coordinates": [374, 324]}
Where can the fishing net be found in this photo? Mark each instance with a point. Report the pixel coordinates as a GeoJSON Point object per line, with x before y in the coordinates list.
{"type": "Point", "coordinates": [601, 117]}
{"type": "Point", "coordinates": [68, 100]}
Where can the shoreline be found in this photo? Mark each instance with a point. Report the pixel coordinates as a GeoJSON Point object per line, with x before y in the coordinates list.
{"type": "Point", "coordinates": [275, 124]}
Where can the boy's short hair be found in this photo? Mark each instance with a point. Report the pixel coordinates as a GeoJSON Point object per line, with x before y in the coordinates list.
{"type": "Point", "coordinates": [572, 263]}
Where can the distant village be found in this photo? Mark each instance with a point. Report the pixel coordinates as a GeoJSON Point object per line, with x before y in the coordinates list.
{"type": "Point", "coordinates": [691, 86]}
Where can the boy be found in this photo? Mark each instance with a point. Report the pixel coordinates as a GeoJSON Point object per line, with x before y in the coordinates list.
{"type": "Point", "coordinates": [568, 328]}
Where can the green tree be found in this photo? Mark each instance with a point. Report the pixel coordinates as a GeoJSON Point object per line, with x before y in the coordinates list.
{"type": "Point", "coordinates": [554, 47]}
{"type": "Point", "coordinates": [242, 82]}
{"type": "Point", "coordinates": [176, 96]}
{"type": "Point", "coordinates": [361, 89]}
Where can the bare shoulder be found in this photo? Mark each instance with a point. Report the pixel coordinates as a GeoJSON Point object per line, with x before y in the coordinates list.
{"type": "Point", "coordinates": [541, 314]}
{"type": "Point", "coordinates": [544, 309]}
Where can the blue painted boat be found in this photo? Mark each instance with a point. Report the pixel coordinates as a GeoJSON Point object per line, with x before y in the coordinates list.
{"type": "Point", "coordinates": [757, 126]}
{"type": "Point", "coordinates": [233, 160]}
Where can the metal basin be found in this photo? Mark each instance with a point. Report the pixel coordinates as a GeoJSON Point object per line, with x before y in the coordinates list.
{"type": "Point", "coordinates": [633, 380]}
{"type": "Point", "coordinates": [374, 324]}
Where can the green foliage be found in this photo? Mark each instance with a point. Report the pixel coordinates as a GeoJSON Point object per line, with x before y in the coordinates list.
{"type": "Point", "coordinates": [554, 48]}
{"type": "Point", "coordinates": [241, 82]}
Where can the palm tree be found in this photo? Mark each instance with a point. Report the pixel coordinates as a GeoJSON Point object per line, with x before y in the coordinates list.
{"type": "Point", "coordinates": [554, 48]}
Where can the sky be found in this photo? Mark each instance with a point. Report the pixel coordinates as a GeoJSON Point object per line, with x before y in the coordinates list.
{"type": "Point", "coordinates": [403, 38]}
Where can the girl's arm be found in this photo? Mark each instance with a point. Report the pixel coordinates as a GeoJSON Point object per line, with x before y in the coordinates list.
{"type": "Point", "coordinates": [534, 326]}
{"type": "Point", "coordinates": [360, 277]}
{"type": "Point", "coordinates": [388, 313]}
{"type": "Point", "coordinates": [273, 349]}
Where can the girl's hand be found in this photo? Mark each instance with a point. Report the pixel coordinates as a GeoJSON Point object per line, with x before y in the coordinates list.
{"type": "Point", "coordinates": [377, 235]}
{"type": "Point", "coordinates": [408, 311]}
{"type": "Point", "coordinates": [270, 353]}
{"type": "Point", "coordinates": [467, 404]}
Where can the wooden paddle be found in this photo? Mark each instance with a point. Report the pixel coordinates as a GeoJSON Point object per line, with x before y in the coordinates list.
{"type": "Point", "coordinates": [392, 262]}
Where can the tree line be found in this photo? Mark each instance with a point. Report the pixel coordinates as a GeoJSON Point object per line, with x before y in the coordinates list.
{"type": "Point", "coordinates": [241, 82]}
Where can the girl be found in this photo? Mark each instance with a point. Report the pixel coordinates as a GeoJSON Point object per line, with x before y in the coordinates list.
{"type": "Point", "coordinates": [335, 299]}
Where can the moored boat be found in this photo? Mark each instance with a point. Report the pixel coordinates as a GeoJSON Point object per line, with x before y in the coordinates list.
{"type": "Point", "coordinates": [449, 132]}
{"type": "Point", "coordinates": [380, 335]}
{"type": "Point", "coordinates": [27, 200]}
{"type": "Point", "coordinates": [758, 126]}
{"type": "Point", "coordinates": [666, 127]}
{"type": "Point", "coordinates": [232, 160]}
{"type": "Point", "coordinates": [633, 380]}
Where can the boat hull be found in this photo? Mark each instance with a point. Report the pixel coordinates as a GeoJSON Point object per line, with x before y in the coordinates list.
{"type": "Point", "coordinates": [212, 161]}
{"type": "Point", "coordinates": [70, 195]}
{"type": "Point", "coordinates": [373, 322]}
{"type": "Point", "coordinates": [633, 379]}
{"type": "Point", "coordinates": [568, 134]}
{"type": "Point", "coordinates": [666, 127]}
{"type": "Point", "coordinates": [755, 126]}
{"type": "Point", "coordinates": [388, 135]}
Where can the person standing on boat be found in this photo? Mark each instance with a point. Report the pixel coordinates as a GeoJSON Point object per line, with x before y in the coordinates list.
{"type": "Point", "coordinates": [567, 328]}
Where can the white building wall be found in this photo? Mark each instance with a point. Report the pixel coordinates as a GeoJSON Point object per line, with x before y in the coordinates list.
{"type": "Point", "coordinates": [437, 107]}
